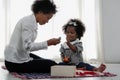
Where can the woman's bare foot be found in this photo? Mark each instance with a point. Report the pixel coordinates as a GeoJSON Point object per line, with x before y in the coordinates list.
{"type": "Point", "coordinates": [101, 68]}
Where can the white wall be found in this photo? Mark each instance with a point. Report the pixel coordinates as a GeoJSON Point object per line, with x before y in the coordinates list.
{"type": "Point", "coordinates": [110, 10]}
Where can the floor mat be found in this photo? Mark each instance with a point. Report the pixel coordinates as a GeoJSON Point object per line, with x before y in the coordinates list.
{"type": "Point", "coordinates": [47, 75]}
{"type": "Point", "coordinates": [79, 74]}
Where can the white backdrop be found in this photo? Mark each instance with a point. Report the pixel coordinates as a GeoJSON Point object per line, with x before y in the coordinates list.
{"type": "Point", "coordinates": [13, 10]}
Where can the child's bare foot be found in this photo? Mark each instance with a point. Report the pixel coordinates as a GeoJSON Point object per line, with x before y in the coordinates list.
{"type": "Point", "coordinates": [101, 68]}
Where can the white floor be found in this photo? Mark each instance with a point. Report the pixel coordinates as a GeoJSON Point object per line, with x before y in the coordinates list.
{"type": "Point", "coordinates": [113, 68]}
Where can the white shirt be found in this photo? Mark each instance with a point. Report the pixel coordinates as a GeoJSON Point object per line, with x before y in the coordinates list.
{"type": "Point", "coordinates": [22, 41]}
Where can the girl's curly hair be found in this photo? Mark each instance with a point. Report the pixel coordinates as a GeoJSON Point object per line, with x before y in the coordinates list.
{"type": "Point", "coordinates": [77, 24]}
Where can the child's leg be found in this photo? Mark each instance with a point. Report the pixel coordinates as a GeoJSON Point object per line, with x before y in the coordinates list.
{"type": "Point", "coordinates": [85, 66]}
{"type": "Point", "coordinates": [101, 68]}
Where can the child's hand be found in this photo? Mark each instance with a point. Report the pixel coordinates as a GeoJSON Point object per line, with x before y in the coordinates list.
{"type": "Point", "coordinates": [68, 39]}
{"type": "Point", "coordinates": [66, 59]}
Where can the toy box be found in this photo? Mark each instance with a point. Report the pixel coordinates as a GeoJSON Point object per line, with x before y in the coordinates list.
{"type": "Point", "coordinates": [63, 70]}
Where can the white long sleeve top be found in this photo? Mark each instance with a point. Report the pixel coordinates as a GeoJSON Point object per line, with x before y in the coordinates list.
{"type": "Point", "coordinates": [22, 41]}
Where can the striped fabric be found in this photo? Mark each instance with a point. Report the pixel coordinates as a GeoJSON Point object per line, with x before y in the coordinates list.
{"type": "Point", "coordinates": [79, 73]}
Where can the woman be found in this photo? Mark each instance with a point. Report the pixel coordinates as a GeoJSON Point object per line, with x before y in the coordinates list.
{"type": "Point", "coordinates": [18, 56]}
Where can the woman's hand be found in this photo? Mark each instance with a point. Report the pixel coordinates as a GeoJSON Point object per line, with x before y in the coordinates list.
{"type": "Point", "coordinates": [53, 41]}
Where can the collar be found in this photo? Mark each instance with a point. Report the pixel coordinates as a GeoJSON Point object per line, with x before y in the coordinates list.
{"type": "Point", "coordinates": [73, 42]}
{"type": "Point", "coordinates": [35, 22]}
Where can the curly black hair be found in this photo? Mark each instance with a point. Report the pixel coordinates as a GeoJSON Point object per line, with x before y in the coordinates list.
{"type": "Point", "coordinates": [45, 6]}
{"type": "Point", "coordinates": [77, 24]}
